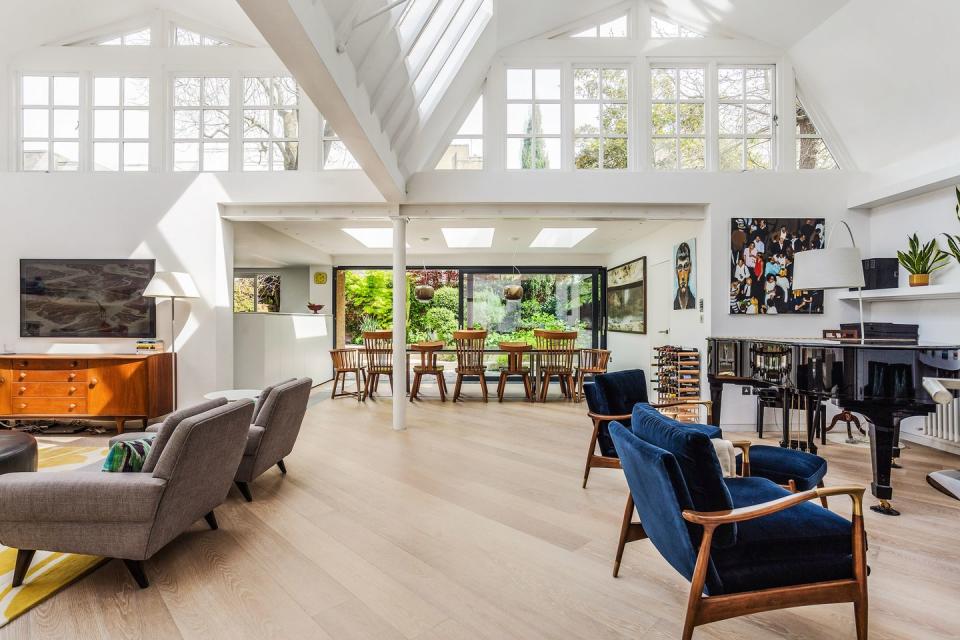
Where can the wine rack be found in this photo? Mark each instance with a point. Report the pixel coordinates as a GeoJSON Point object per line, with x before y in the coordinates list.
{"type": "Point", "coordinates": [678, 378]}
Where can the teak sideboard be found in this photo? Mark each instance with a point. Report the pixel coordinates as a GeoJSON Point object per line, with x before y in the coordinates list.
{"type": "Point", "coordinates": [93, 386]}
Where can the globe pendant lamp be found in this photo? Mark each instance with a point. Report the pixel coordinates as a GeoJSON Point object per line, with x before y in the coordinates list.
{"type": "Point", "coordinates": [514, 291]}
{"type": "Point", "coordinates": [423, 292]}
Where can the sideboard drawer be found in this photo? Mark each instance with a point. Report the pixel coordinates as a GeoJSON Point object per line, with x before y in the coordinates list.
{"type": "Point", "coordinates": [49, 390]}
{"type": "Point", "coordinates": [46, 364]}
{"type": "Point", "coordinates": [52, 406]}
{"type": "Point", "coordinates": [48, 375]}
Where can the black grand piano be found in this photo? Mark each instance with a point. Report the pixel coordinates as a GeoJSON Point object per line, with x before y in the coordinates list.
{"type": "Point", "coordinates": [880, 380]}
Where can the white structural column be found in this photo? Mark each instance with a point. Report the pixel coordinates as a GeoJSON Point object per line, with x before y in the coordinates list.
{"type": "Point", "coordinates": [399, 323]}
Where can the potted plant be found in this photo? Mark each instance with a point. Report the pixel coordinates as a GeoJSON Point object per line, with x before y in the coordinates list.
{"type": "Point", "coordinates": [921, 261]}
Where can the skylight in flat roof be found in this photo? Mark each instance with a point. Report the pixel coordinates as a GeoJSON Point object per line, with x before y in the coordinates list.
{"type": "Point", "coordinates": [561, 238]}
{"type": "Point", "coordinates": [373, 237]}
{"type": "Point", "coordinates": [468, 237]}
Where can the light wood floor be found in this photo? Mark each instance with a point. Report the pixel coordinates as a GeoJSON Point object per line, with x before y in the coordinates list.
{"type": "Point", "coordinates": [472, 524]}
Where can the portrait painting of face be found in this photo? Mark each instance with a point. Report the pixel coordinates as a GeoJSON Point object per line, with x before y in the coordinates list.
{"type": "Point", "coordinates": [685, 275]}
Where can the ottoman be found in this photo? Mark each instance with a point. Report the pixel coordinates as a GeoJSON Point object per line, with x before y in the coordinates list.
{"type": "Point", "coordinates": [18, 452]}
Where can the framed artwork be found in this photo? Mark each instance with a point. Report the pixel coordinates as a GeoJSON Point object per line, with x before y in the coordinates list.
{"type": "Point", "coordinates": [685, 275]}
{"type": "Point", "coordinates": [627, 297]}
{"type": "Point", "coordinates": [761, 265]}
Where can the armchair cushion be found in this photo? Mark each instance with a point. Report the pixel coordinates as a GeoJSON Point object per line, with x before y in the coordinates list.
{"type": "Point", "coordinates": [264, 394]}
{"type": "Point", "coordinates": [127, 455]}
{"type": "Point", "coordinates": [696, 458]}
{"type": "Point", "coordinates": [802, 544]}
{"type": "Point", "coordinates": [614, 394]}
{"type": "Point", "coordinates": [781, 465]}
{"type": "Point", "coordinates": [79, 496]}
{"type": "Point", "coordinates": [597, 403]}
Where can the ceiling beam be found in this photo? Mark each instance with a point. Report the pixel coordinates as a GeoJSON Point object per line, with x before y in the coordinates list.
{"type": "Point", "coordinates": [303, 35]}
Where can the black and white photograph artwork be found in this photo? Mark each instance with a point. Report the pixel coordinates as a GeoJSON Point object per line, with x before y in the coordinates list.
{"type": "Point", "coordinates": [86, 299]}
{"type": "Point", "coordinates": [762, 254]}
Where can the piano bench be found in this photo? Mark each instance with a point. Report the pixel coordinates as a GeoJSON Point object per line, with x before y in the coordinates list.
{"type": "Point", "coordinates": [783, 465]}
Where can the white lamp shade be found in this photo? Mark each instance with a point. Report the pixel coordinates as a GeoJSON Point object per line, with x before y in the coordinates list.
{"type": "Point", "coordinates": [171, 284]}
{"type": "Point", "coordinates": [839, 268]}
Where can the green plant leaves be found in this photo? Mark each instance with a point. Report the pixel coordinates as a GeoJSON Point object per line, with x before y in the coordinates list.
{"type": "Point", "coordinates": [924, 259]}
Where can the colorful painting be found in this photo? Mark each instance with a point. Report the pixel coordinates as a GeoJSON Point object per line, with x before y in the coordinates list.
{"type": "Point", "coordinates": [627, 297]}
{"type": "Point", "coordinates": [685, 275]}
{"type": "Point", "coordinates": [761, 265]}
{"type": "Point", "coordinates": [86, 299]}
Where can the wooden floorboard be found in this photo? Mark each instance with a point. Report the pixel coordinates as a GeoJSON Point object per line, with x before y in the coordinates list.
{"type": "Point", "coordinates": [472, 524]}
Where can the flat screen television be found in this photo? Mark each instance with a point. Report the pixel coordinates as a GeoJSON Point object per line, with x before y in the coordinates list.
{"type": "Point", "coordinates": [86, 299]}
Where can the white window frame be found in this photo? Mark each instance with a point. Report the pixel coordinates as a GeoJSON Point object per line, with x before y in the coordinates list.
{"type": "Point", "coordinates": [601, 102]}
{"type": "Point", "coordinates": [798, 102]}
{"type": "Point", "coordinates": [271, 140]}
{"type": "Point", "coordinates": [676, 102]}
{"type": "Point", "coordinates": [329, 140]}
{"type": "Point", "coordinates": [122, 140]}
{"type": "Point", "coordinates": [232, 121]}
{"type": "Point", "coordinates": [467, 136]}
{"type": "Point", "coordinates": [533, 101]}
{"type": "Point", "coordinates": [745, 102]}
{"type": "Point", "coordinates": [50, 107]}
{"type": "Point", "coordinates": [691, 33]}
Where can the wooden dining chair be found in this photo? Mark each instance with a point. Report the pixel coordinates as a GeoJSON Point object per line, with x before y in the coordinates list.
{"type": "Point", "coordinates": [592, 362]}
{"type": "Point", "coordinates": [378, 349]}
{"type": "Point", "coordinates": [515, 367]}
{"type": "Point", "coordinates": [347, 361]}
{"type": "Point", "coordinates": [555, 352]}
{"type": "Point", "coordinates": [428, 367]}
{"type": "Point", "coordinates": [470, 343]}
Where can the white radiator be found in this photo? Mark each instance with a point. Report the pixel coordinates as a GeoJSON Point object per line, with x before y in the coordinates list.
{"type": "Point", "coordinates": [944, 423]}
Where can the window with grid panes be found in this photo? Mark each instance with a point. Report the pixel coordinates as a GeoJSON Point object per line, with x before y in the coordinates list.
{"type": "Point", "coordinates": [812, 151]}
{"type": "Point", "coordinates": [600, 118]}
{"type": "Point", "coordinates": [335, 152]}
{"type": "Point", "coordinates": [121, 123]}
{"type": "Point", "coordinates": [677, 118]}
{"type": "Point", "coordinates": [49, 123]}
{"type": "Point", "coordinates": [745, 110]}
{"type": "Point", "coordinates": [271, 124]}
{"type": "Point", "coordinates": [533, 119]}
{"type": "Point", "coordinates": [201, 123]}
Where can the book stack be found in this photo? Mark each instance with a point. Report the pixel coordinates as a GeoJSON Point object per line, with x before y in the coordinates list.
{"type": "Point", "coordinates": [150, 345]}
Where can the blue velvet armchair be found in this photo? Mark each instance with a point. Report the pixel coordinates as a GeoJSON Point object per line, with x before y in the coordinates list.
{"type": "Point", "coordinates": [746, 545]}
{"type": "Point", "coordinates": [612, 396]}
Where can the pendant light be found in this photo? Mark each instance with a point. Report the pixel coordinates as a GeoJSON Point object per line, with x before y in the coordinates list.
{"type": "Point", "coordinates": [423, 292]}
{"type": "Point", "coordinates": [514, 291]}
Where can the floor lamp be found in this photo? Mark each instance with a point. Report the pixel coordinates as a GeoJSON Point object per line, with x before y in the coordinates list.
{"type": "Point", "coordinates": [172, 285]}
{"type": "Point", "coordinates": [840, 268]}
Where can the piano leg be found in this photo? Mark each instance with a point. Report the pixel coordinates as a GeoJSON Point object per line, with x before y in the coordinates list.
{"type": "Point", "coordinates": [896, 446]}
{"type": "Point", "coordinates": [716, 398]}
{"type": "Point", "coordinates": [881, 455]}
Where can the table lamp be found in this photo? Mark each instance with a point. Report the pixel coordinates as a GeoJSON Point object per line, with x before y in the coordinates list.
{"type": "Point", "coordinates": [839, 268]}
{"type": "Point", "coordinates": [172, 285]}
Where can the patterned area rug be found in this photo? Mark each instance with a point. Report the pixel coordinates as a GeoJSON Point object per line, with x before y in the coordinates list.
{"type": "Point", "coordinates": [49, 572]}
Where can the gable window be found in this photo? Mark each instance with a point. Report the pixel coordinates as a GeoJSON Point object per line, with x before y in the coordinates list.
{"type": "Point", "coordinates": [121, 124]}
{"type": "Point", "coordinates": [677, 118]}
{"type": "Point", "coordinates": [600, 121]}
{"type": "Point", "coordinates": [616, 28]}
{"type": "Point", "coordinates": [187, 38]}
{"type": "Point", "coordinates": [201, 124]}
{"type": "Point", "coordinates": [465, 151]}
{"type": "Point", "coordinates": [745, 111]}
{"type": "Point", "coordinates": [533, 119]}
{"type": "Point", "coordinates": [138, 38]}
{"type": "Point", "coordinates": [335, 153]}
{"type": "Point", "coordinates": [50, 123]}
{"type": "Point", "coordinates": [812, 151]}
{"type": "Point", "coordinates": [664, 28]}
{"type": "Point", "coordinates": [271, 124]}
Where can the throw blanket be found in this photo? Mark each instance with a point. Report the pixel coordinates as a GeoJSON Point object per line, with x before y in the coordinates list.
{"type": "Point", "coordinates": [727, 455]}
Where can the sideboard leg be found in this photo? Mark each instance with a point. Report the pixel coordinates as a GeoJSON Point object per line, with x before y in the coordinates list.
{"type": "Point", "coordinates": [120, 422]}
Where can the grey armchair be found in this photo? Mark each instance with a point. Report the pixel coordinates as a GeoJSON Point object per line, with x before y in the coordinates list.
{"type": "Point", "coordinates": [129, 516]}
{"type": "Point", "coordinates": [274, 431]}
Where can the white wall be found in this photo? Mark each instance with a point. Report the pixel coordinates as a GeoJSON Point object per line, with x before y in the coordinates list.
{"type": "Point", "coordinates": [294, 286]}
{"type": "Point", "coordinates": [269, 347]}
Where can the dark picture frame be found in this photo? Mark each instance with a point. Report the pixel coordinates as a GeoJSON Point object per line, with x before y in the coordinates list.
{"type": "Point", "coordinates": [86, 298]}
{"type": "Point", "coordinates": [626, 297]}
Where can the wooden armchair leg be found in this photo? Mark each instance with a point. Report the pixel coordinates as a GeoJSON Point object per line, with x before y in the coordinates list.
{"type": "Point", "coordinates": [593, 446]}
{"type": "Point", "coordinates": [629, 531]}
{"type": "Point", "coordinates": [135, 567]}
{"type": "Point", "coordinates": [24, 558]}
{"type": "Point", "coordinates": [211, 519]}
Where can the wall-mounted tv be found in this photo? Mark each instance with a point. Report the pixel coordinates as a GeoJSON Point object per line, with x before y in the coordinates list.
{"type": "Point", "coordinates": [86, 299]}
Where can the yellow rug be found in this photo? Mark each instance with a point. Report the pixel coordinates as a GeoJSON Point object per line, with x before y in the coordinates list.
{"type": "Point", "coordinates": [49, 572]}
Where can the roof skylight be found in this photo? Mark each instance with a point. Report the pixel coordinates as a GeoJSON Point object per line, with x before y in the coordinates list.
{"type": "Point", "coordinates": [560, 237]}
{"type": "Point", "coordinates": [468, 237]}
{"type": "Point", "coordinates": [373, 237]}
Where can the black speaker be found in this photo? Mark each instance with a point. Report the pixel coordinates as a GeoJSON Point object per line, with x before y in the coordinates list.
{"type": "Point", "coordinates": [880, 273]}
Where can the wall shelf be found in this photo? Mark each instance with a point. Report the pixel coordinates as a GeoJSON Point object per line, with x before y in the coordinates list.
{"type": "Point", "coordinates": [905, 294]}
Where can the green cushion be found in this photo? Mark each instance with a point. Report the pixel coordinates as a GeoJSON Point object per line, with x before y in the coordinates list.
{"type": "Point", "coordinates": [128, 455]}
